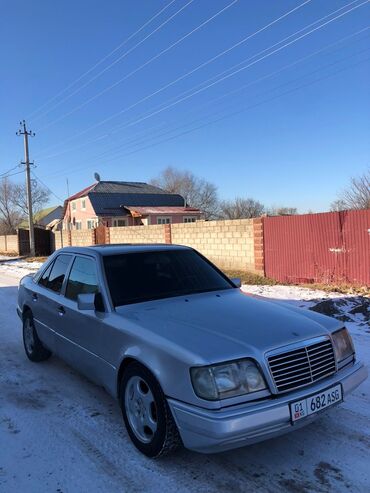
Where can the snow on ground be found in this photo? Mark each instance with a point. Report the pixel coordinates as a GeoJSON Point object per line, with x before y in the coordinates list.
{"type": "Point", "coordinates": [61, 433]}
{"type": "Point", "coordinates": [18, 267]}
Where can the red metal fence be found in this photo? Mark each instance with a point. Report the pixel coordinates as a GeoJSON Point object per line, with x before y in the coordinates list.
{"type": "Point", "coordinates": [328, 247]}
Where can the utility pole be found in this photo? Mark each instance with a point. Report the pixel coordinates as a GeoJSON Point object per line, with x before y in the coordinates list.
{"type": "Point", "coordinates": [23, 131]}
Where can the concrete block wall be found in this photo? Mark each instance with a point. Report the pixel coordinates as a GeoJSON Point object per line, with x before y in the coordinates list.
{"type": "Point", "coordinates": [229, 244]}
{"type": "Point", "coordinates": [9, 244]}
{"type": "Point", "coordinates": [138, 234]}
{"type": "Point", "coordinates": [83, 237]}
{"type": "Point", "coordinates": [59, 239]}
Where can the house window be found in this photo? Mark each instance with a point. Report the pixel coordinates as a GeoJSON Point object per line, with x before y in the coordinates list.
{"type": "Point", "coordinates": [78, 225]}
{"type": "Point", "coordinates": [83, 204]}
{"type": "Point", "coordinates": [91, 223]}
{"type": "Point", "coordinates": [163, 220]}
{"type": "Point", "coordinates": [117, 223]}
{"type": "Point", "coordinates": [73, 206]}
{"type": "Point", "coordinates": [189, 219]}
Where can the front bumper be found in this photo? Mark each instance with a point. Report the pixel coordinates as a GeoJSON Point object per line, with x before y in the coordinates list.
{"type": "Point", "coordinates": [206, 431]}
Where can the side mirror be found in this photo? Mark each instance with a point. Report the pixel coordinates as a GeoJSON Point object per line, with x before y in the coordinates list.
{"type": "Point", "coordinates": [90, 301]}
{"type": "Point", "coordinates": [237, 281]}
{"type": "Point", "coordinates": [86, 301]}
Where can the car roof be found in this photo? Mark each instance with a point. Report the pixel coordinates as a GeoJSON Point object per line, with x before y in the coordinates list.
{"type": "Point", "coordinates": [121, 248]}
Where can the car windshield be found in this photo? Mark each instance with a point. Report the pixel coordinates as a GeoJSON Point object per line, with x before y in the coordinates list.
{"type": "Point", "coordinates": [144, 276]}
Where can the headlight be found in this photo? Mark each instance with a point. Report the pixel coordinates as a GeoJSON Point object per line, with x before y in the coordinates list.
{"type": "Point", "coordinates": [343, 345]}
{"type": "Point", "coordinates": [227, 379]}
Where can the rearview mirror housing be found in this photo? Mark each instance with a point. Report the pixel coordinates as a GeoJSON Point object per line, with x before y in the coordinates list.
{"type": "Point", "coordinates": [86, 301]}
{"type": "Point", "coordinates": [90, 301]}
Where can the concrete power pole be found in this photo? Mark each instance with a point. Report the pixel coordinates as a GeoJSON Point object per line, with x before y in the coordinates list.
{"type": "Point", "coordinates": [23, 131]}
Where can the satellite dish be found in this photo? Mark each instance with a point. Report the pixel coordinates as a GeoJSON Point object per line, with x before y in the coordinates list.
{"type": "Point", "coordinates": [97, 176]}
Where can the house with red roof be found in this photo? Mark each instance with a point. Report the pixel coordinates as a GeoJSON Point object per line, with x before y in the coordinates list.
{"type": "Point", "coordinates": [119, 203]}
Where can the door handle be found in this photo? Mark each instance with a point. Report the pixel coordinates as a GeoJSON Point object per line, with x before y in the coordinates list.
{"type": "Point", "coordinates": [34, 297]}
{"type": "Point", "coordinates": [61, 310]}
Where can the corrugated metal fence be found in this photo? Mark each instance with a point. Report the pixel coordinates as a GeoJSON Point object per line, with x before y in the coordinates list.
{"type": "Point", "coordinates": [328, 247]}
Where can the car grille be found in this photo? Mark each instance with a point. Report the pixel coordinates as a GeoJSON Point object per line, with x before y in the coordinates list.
{"type": "Point", "coordinates": [302, 366]}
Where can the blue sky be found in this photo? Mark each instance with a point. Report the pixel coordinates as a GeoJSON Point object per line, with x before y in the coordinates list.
{"type": "Point", "coordinates": [290, 129]}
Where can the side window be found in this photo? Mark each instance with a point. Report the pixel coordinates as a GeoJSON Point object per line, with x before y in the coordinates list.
{"type": "Point", "coordinates": [45, 276]}
{"type": "Point", "coordinates": [58, 272]}
{"type": "Point", "coordinates": [82, 278]}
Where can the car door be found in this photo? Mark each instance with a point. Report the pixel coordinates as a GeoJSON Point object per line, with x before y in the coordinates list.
{"type": "Point", "coordinates": [45, 297]}
{"type": "Point", "coordinates": [81, 332]}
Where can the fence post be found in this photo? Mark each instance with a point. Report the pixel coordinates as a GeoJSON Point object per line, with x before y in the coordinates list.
{"type": "Point", "coordinates": [167, 233]}
{"type": "Point", "coordinates": [107, 235]}
{"type": "Point", "coordinates": [69, 237]}
{"type": "Point", "coordinates": [6, 243]}
{"type": "Point", "coordinates": [259, 257]}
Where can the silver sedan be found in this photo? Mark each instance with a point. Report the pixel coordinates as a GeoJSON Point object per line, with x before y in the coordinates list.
{"type": "Point", "coordinates": [190, 358]}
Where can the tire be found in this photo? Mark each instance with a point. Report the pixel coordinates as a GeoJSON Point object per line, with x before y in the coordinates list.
{"type": "Point", "coordinates": [33, 347]}
{"type": "Point", "coordinates": [146, 414]}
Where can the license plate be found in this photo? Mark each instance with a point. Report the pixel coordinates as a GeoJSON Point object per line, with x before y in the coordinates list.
{"type": "Point", "coordinates": [315, 403]}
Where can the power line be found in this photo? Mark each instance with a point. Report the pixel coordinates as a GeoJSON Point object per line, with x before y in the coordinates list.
{"type": "Point", "coordinates": [325, 48]}
{"type": "Point", "coordinates": [47, 187]}
{"type": "Point", "coordinates": [155, 57]}
{"type": "Point", "coordinates": [228, 115]}
{"type": "Point", "coordinates": [248, 108]}
{"type": "Point", "coordinates": [11, 169]}
{"type": "Point", "coordinates": [245, 66]}
{"type": "Point", "coordinates": [126, 53]}
{"type": "Point", "coordinates": [197, 68]}
{"type": "Point", "coordinates": [13, 174]}
{"type": "Point", "coordinates": [273, 89]}
{"type": "Point", "coordinates": [99, 62]}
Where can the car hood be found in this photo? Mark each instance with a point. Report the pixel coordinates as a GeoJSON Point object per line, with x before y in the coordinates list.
{"type": "Point", "coordinates": [225, 325]}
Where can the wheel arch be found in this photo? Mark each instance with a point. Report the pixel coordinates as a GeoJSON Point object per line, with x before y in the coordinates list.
{"type": "Point", "coordinates": [127, 361]}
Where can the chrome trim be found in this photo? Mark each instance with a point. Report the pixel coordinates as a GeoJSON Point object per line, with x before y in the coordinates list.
{"type": "Point", "coordinates": [307, 369]}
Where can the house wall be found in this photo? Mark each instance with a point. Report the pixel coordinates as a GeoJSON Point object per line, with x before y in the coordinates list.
{"type": "Point", "coordinates": [79, 214]}
{"type": "Point", "coordinates": [175, 218]}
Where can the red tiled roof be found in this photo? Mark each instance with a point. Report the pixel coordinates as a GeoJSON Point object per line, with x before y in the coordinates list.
{"type": "Point", "coordinates": [83, 192]}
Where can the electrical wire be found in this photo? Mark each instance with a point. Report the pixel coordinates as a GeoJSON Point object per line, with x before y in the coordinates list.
{"type": "Point", "coordinates": [99, 62]}
{"type": "Point", "coordinates": [229, 115]}
{"type": "Point", "coordinates": [130, 74]}
{"type": "Point", "coordinates": [105, 120]}
{"type": "Point", "coordinates": [46, 186]}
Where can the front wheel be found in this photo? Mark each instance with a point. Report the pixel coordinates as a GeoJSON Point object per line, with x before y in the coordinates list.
{"type": "Point", "coordinates": [34, 348]}
{"type": "Point", "coordinates": [146, 414]}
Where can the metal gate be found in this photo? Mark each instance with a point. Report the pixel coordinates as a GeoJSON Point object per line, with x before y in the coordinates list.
{"type": "Point", "coordinates": [42, 242]}
{"type": "Point", "coordinates": [328, 247]}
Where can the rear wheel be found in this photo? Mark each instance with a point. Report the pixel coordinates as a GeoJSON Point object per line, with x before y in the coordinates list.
{"type": "Point", "coordinates": [146, 414]}
{"type": "Point", "coordinates": [34, 348]}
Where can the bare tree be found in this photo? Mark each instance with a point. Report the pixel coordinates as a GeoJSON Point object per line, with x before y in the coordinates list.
{"type": "Point", "coordinates": [282, 211]}
{"type": "Point", "coordinates": [197, 192]}
{"type": "Point", "coordinates": [240, 208]}
{"type": "Point", "coordinates": [13, 203]}
{"type": "Point", "coordinates": [10, 217]}
{"type": "Point", "coordinates": [357, 195]}
{"type": "Point", "coordinates": [338, 205]}
{"type": "Point", "coordinates": [40, 197]}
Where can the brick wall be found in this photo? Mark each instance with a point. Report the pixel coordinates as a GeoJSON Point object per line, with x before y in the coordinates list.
{"type": "Point", "coordinates": [229, 244]}
{"type": "Point", "coordinates": [137, 234]}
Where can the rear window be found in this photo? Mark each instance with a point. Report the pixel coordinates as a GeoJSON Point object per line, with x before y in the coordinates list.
{"type": "Point", "coordinates": [144, 276]}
